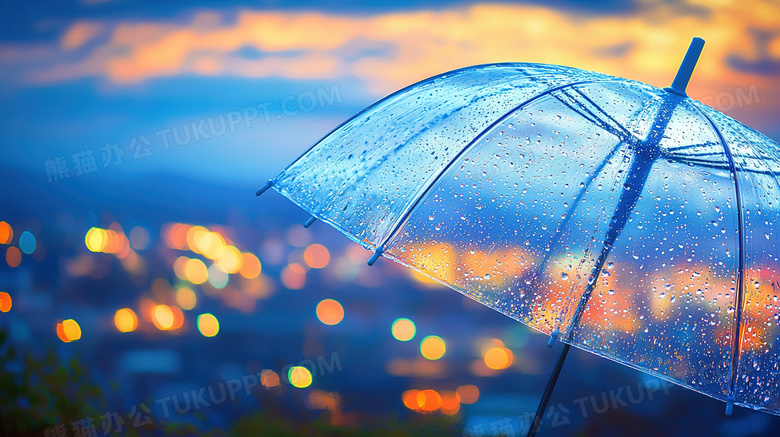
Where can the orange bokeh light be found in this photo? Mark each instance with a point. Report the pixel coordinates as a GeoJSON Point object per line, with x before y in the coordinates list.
{"type": "Point", "coordinates": [250, 266]}
{"type": "Point", "coordinates": [330, 312]}
{"type": "Point", "coordinates": [6, 233]}
{"type": "Point", "coordinates": [5, 302]}
{"type": "Point", "coordinates": [13, 256]}
{"type": "Point", "coordinates": [293, 276]}
{"type": "Point", "coordinates": [316, 256]}
{"type": "Point", "coordinates": [269, 378]}
{"type": "Point", "coordinates": [498, 358]}
{"type": "Point", "coordinates": [468, 394]}
{"type": "Point", "coordinates": [450, 402]}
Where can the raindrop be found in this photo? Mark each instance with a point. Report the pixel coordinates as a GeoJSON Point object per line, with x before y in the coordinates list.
{"type": "Point", "coordinates": [611, 292]}
{"type": "Point", "coordinates": [564, 276]}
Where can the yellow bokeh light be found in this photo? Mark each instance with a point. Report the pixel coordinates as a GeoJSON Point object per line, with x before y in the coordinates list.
{"type": "Point", "coordinates": [299, 377]}
{"type": "Point", "coordinates": [250, 266]}
{"type": "Point", "coordinates": [468, 394]}
{"type": "Point", "coordinates": [186, 298]}
{"type": "Point", "coordinates": [5, 302]}
{"type": "Point", "coordinates": [162, 317]}
{"type": "Point", "coordinates": [403, 329]}
{"type": "Point", "coordinates": [194, 235]}
{"type": "Point", "coordinates": [208, 325]}
{"type": "Point", "coordinates": [433, 347]}
{"type": "Point", "coordinates": [316, 256]}
{"type": "Point", "coordinates": [330, 312]}
{"type": "Point", "coordinates": [498, 358]}
{"type": "Point", "coordinates": [229, 259]}
{"type": "Point", "coordinates": [6, 233]}
{"type": "Point", "coordinates": [125, 320]}
{"type": "Point", "coordinates": [210, 244]}
{"type": "Point", "coordinates": [96, 239]}
{"type": "Point", "coordinates": [195, 271]}
{"type": "Point", "coordinates": [71, 330]}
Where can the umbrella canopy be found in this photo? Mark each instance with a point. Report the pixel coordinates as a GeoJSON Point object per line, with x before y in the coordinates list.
{"type": "Point", "coordinates": [620, 218]}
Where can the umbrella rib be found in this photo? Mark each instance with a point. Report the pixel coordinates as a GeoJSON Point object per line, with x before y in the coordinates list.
{"type": "Point", "coordinates": [628, 136]}
{"type": "Point", "coordinates": [593, 118]}
{"type": "Point", "coordinates": [736, 329]}
{"type": "Point", "coordinates": [381, 247]}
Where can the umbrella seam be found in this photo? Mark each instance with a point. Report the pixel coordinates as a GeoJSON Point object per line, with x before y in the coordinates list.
{"type": "Point", "coordinates": [397, 93]}
{"type": "Point", "coordinates": [468, 147]}
{"type": "Point", "coordinates": [737, 331]}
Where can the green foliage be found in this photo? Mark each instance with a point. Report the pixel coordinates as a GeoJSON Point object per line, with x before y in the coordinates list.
{"type": "Point", "coordinates": [37, 394]}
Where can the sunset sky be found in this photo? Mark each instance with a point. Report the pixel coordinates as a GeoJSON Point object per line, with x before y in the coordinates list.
{"type": "Point", "coordinates": [83, 75]}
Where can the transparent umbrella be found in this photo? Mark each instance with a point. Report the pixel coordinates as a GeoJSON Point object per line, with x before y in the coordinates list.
{"type": "Point", "coordinates": [623, 219]}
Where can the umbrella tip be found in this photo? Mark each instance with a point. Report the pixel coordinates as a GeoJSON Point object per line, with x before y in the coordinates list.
{"type": "Point", "coordinates": [265, 188]}
{"type": "Point", "coordinates": [377, 253]}
{"type": "Point", "coordinates": [685, 71]}
{"type": "Point", "coordinates": [309, 222]}
{"type": "Point", "coordinates": [730, 404]}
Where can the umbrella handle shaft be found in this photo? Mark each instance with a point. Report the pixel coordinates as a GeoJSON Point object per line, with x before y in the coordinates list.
{"type": "Point", "coordinates": [548, 391]}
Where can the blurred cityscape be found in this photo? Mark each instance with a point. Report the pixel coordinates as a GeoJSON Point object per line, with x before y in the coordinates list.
{"type": "Point", "coordinates": [193, 292]}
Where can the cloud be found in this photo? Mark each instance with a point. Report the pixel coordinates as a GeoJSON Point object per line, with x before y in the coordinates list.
{"type": "Point", "coordinates": [391, 50]}
{"type": "Point", "coordinates": [79, 34]}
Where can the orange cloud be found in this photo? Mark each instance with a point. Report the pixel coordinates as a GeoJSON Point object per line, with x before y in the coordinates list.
{"type": "Point", "coordinates": [391, 50]}
{"type": "Point", "coordinates": [79, 34]}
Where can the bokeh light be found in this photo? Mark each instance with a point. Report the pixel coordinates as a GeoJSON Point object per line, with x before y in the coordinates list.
{"type": "Point", "coordinates": [403, 329]}
{"type": "Point", "coordinates": [450, 402]}
{"type": "Point", "coordinates": [316, 256]}
{"type": "Point", "coordinates": [269, 378]}
{"type": "Point", "coordinates": [6, 233]}
{"type": "Point", "coordinates": [186, 298]}
{"type": "Point", "coordinates": [433, 347]}
{"type": "Point", "coordinates": [125, 320]}
{"type": "Point", "coordinates": [409, 399]}
{"type": "Point", "coordinates": [428, 400]}
{"type": "Point", "coordinates": [13, 257]}
{"type": "Point", "coordinates": [195, 271]}
{"type": "Point", "coordinates": [162, 317]}
{"type": "Point", "coordinates": [217, 277]}
{"type": "Point", "coordinates": [96, 239]}
{"type": "Point", "coordinates": [250, 266]}
{"type": "Point", "coordinates": [468, 394]}
{"type": "Point", "coordinates": [139, 238]}
{"type": "Point", "coordinates": [208, 325]}
{"type": "Point", "coordinates": [299, 377]}
{"type": "Point", "coordinates": [293, 276]}
{"type": "Point", "coordinates": [27, 242]}
{"type": "Point", "coordinates": [229, 259]}
{"type": "Point", "coordinates": [498, 358]}
{"type": "Point", "coordinates": [71, 330]}
{"type": "Point", "coordinates": [180, 267]}
{"type": "Point", "coordinates": [5, 302]}
{"type": "Point", "coordinates": [330, 312]}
